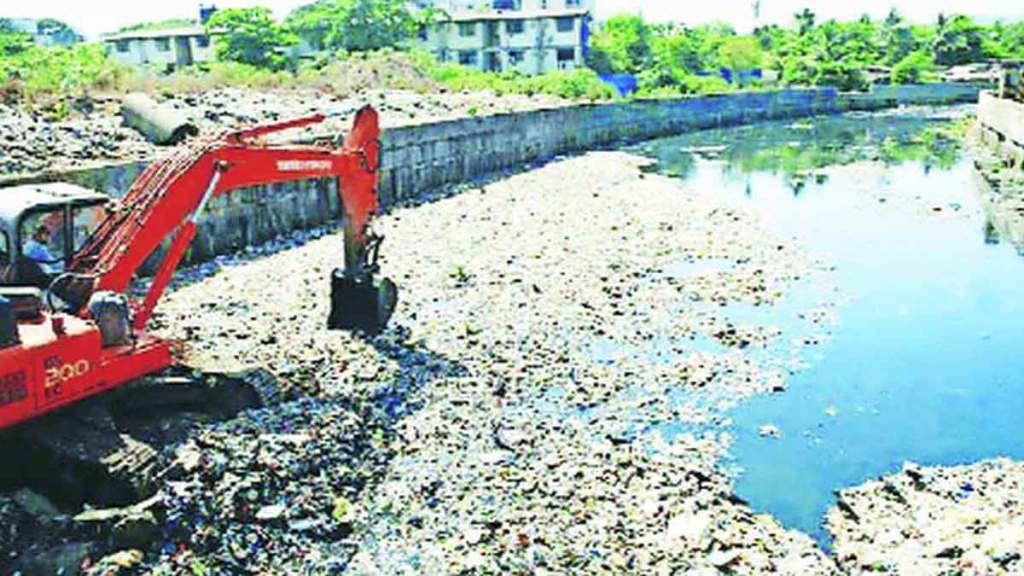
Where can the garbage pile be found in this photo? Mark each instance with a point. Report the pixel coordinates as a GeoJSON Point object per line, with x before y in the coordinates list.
{"type": "Point", "coordinates": [550, 323]}
{"type": "Point", "coordinates": [273, 490]}
{"type": "Point", "coordinates": [958, 520]}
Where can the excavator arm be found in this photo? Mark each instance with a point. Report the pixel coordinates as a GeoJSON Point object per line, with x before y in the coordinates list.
{"type": "Point", "coordinates": [167, 198]}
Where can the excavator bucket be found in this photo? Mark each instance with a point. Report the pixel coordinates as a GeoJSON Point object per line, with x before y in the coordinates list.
{"type": "Point", "coordinates": [361, 304]}
{"type": "Point", "coordinates": [360, 301]}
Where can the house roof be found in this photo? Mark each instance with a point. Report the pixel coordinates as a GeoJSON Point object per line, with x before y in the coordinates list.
{"type": "Point", "coordinates": [514, 15]}
{"type": "Point", "coordinates": [157, 33]}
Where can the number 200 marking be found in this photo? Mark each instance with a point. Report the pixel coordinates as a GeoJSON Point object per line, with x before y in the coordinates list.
{"type": "Point", "coordinates": [61, 374]}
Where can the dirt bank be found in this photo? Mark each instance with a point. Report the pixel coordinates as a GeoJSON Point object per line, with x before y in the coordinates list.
{"type": "Point", "coordinates": [93, 133]}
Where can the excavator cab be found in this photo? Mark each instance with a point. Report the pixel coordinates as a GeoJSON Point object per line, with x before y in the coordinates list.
{"type": "Point", "coordinates": [41, 228]}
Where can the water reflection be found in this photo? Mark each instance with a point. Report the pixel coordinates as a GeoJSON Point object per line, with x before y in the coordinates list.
{"type": "Point", "coordinates": [796, 150]}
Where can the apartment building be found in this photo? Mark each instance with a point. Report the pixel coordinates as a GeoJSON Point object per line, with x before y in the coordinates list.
{"type": "Point", "coordinates": [171, 47]}
{"type": "Point", "coordinates": [529, 36]}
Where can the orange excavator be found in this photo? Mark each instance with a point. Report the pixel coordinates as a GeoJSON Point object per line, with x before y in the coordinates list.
{"type": "Point", "coordinates": [68, 257]}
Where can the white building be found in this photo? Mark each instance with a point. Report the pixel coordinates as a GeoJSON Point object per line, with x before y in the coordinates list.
{"type": "Point", "coordinates": [170, 47]}
{"type": "Point", "coordinates": [529, 36]}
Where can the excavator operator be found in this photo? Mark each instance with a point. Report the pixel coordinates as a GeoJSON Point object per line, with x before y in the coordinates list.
{"type": "Point", "coordinates": [38, 249]}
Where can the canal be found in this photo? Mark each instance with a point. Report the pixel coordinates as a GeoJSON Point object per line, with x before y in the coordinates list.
{"type": "Point", "coordinates": [922, 359]}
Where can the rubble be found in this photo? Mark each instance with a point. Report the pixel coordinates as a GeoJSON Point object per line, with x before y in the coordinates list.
{"type": "Point", "coordinates": [261, 492]}
{"type": "Point", "coordinates": [955, 520]}
{"type": "Point", "coordinates": [94, 132]}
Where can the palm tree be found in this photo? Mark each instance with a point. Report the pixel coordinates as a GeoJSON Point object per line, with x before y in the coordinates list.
{"type": "Point", "coordinates": [805, 19]}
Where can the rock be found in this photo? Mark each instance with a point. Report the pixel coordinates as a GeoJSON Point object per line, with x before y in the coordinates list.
{"type": "Point", "coordinates": [268, 513]}
{"type": "Point", "coordinates": [722, 559]}
{"type": "Point", "coordinates": [138, 530]}
{"type": "Point", "coordinates": [36, 505]}
{"type": "Point", "coordinates": [121, 562]}
{"type": "Point", "coordinates": [65, 559]}
{"type": "Point", "coordinates": [689, 527]}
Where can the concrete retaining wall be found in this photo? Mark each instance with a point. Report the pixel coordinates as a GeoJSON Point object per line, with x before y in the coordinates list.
{"type": "Point", "coordinates": [1003, 122]}
{"type": "Point", "coordinates": [882, 97]}
{"type": "Point", "coordinates": [416, 159]}
{"type": "Point", "coordinates": [1002, 129]}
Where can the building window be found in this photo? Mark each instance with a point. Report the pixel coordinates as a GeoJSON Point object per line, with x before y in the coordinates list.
{"type": "Point", "coordinates": [515, 57]}
{"type": "Point", "coordinates": [5, 250]}
{"type": "Point", "coordinates": [572, 3]}
{"type": "Point", "coordinates": [467, 57]}
{"type": "Point", "coordinates": [163, 44]}
{"type": "Point", "coordinates": [566, 24]}
{"type": "Point", "coordinates": [123, 46]}
{"type": "Point", "coordinates": [514, 27]}
{"type": "Point", "coordinates": [467, 29]}
{"type": "Point", "coordinates": [566, 55]}
{"type": "Point", "coordinates": [203, 41]}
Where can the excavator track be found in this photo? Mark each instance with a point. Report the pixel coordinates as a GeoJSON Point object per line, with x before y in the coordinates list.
{"type": "Point", "coordinates": [109, 450]}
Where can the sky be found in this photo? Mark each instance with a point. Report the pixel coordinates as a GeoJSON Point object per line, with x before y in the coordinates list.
{"type": "Point", "coordinates": [94, 17]}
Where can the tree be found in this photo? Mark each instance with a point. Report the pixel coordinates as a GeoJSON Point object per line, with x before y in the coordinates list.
{"type": "Point", "coordinates": [740, 54]}
{"type": "Point", "coordinates": [622, 44]}
{"type": "Point", "coordinates": [799, 71]}
{"type": "Point", "coordinates": [805, 20]}
{"type": "Point", "coordinates": [772, 37]}
{"type": "Point", "coordinates": [897, 37]}
{"type": "Point", "coordinates": [54, 27]}
{"type": "Point", "coordinates": [12, 40]}
{"type": "Point", "coordinates": [894, 19]}
{"type": "Point", "coordinates": [841, 75]}
{"type": "Point", "coordinates": [958, 42]}
{"type": "Point", "coordinates": [913, 69]}
{"type": "Point", "coordinates": [357, 25]}
{"type": "Point", "coordinates": [250, 36]}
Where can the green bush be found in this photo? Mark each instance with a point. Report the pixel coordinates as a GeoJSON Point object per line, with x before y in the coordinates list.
{"type": "Point", "coordinates": [580, 84]}
{"type": "Point", "coordinates": [207, 76]}
{"type": "Point", "coordinates": [914, 69]}
{"type": "Point", "coordinates": [840, 75]}
{"type": "Point", "coordinates": [706, 85]}
{"type": "Point", "coordinates": [61, 71]}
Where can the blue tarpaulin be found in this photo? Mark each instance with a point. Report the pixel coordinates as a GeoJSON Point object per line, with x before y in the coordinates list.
{"type": "Point", "coordinates": [625, 84]}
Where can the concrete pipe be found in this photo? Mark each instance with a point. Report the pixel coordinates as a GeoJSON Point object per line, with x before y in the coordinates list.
{"type": "Point", "coordinates": [161, 125]}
